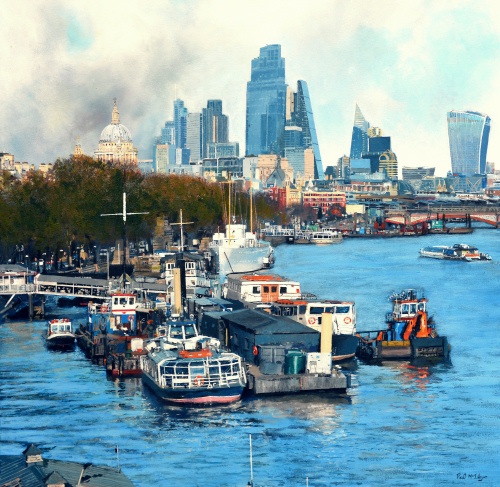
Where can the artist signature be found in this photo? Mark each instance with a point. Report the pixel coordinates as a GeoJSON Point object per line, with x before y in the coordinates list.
{"type": "Point", "coordinates": [471, 476]}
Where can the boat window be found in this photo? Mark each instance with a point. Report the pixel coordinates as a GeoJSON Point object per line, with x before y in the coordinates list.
{"type": "Point", "coordinates": [287, 311]}
{"type": "Point", "coordinates": [282, 289]}
{"type": "Point", "coordinates": [404, 309]}
{"type": "Point", "coordinates": [316, 310]}
{"type": "Point", "coordinates": [421, 306]}
{"type": "Point", "coordinates": [266, 289]}
{"type": "Point", "coordinates": [256, 290]}
{"type": "Point", "coordinates": [274, 289]}
{"type": "Point", "coordinates": [176, 332]}
{"type": "Point", "coordinates": [342, 309]}
{"type": "Point", "coordinates": [190, 331]}
{"type": "Point", "coordinates": [246, 345]}
{"type": "Point", "coordinates": [329, 309]}
{"type": "Point", "coordinates": [413, 308]}
{"type": "Point", "coordinates": [123, 301]}
{"type": "Point", "coordinates": [131, 300]}
{"type": "Point", "coordinates": [197, 368]}
{"type": "Point", "coordinates": [235, 339]}
{"type": "Point", "coordinates": [302, 309]}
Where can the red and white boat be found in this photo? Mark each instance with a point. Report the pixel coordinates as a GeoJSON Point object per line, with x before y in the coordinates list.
{"type": "Point", "coordinates": [60, 334]}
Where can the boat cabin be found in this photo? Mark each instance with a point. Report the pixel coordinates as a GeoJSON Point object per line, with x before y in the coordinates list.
{"type": "Point", "coordinates": [310, 313]}
{"type": "Point", "coordinates": [260, 288]}
{"type": "Point", "coordinates": [406, 305]}
{"type": "Point", "coordinates": [60, 326]}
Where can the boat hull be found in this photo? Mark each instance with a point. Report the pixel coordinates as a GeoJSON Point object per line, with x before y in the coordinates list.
{"type": "Point", "coordinates": [244, 259]}
{"type": "Point", "coordinates": [196, 395]}
{"type": "Point", "coordinates": [61, 342]}
{"type": "Point", "coordinates": [415, 348]}
{"type": "Point", "coordinates": [344, 347]}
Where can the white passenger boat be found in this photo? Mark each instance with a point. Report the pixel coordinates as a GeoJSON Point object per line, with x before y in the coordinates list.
{"type": "Point", "coordinates": [325, 237]}
{"type": "Point", "coordinates": [194, 377]}
{"type": "Point", "coordinates": [440, 252]}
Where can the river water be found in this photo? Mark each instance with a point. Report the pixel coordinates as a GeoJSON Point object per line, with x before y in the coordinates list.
{"type": "Point", "coordinates": [399, 425]}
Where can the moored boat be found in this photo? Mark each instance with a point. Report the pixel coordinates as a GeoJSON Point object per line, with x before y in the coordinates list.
{"type": "Point", "coordinates": [410, 333]}
{"type": "Point", "coordinates": [310, 313]}
{"type": "Point", "coordinates": [323, 237]}
{"type": "Point", "coordinates": [194, 377]}
{"type": "Point", "coordinates": [239, 251]}
{"type": "Point", "coordinates": [469, 252]}
{"type": "Point", "coordinates": [60, 334]}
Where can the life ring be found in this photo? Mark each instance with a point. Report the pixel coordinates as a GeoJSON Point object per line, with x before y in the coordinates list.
{"type": "Point", "coordinates": [347, 320]}
{"type": "Point", "coordinates": [104, 308]}
{"type": "Point", "coordinates": [198, 380]}
{"type": "Point", "coordinates": [255, 351]}
{"type": "Point", "coordinates": [311, 320]}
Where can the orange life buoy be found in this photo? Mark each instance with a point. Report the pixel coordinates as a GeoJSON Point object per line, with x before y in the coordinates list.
{"type": "Point", "coordinates": [255, 351]}
{"type": "Point", "coordinates": [198, 380]}
{"type": "Point", "coordinates": [311, 320]}
{"type": "Point", "coordinates": [104, 308]}
{"type": "Point", "coordinates": [347, 320]}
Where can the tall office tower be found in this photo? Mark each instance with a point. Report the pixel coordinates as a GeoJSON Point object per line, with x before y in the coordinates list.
{"type": "Point", "coordinates": [468, 133]}
{"type": "Point", "coordinates": [180, 116]}
{"type": "Point", "coordinates": [359, 141]}
{"type": "Point", "coordinates": [194, 138]}
{"type": "Point", "coordinates": [215, 125]}
{"type": "Point", "coordinates": [168, 133]}
{"type": "Point", "coordinates": [388, 162]}
{"type": "Point", "coordinates": [302, 116]}
{"type": "Point", "coordinates": [266, 103]}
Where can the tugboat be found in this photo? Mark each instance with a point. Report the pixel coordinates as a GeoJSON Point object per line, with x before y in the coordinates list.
{"type": "Point", "coordinates": [410, 333]}
{"type": "Point", "coordinates": [60, 334]}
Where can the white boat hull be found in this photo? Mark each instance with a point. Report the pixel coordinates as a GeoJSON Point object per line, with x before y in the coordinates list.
{"type": "Point", "coordinates": [244, 259]}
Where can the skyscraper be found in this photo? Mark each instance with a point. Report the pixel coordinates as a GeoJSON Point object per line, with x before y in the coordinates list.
{"type": "Point", "coordinates": [215, 125]}
{"type": "Point", "coordinates": [266, 103]}
{"type": "Point", "coordinates": [302, 116]}
{"type": "Point", "coordinates": [180, 120]}
{"type": "Point", "coordinates": [468, 133]}
{"type": "Point", "coordinates": [359, 141]}
{"type": "Point", "coordinates": [194, 136]}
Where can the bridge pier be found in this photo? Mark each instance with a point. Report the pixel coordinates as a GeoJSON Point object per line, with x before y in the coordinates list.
{"type": "Point", "coordinates": [30, 306]}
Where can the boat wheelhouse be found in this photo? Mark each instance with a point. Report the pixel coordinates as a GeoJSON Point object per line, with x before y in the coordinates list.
{"type": "Point", "coordinates": [60, 334]}
{"type": "Point", "coordinates": [469, 252]}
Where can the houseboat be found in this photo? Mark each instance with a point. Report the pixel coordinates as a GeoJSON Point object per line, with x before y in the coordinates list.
{"type": "Point", "coordinates": [60, 334]}
{"type": "Point", "coordinates": [260, 288]}
{"type": "Point", "coordinates": [410, 332]}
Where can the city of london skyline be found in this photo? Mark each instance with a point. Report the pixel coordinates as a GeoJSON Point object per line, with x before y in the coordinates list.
{"type": "Point", "coordinates": [73, 59]}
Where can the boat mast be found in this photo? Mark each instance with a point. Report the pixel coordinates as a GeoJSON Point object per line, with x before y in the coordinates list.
{"type": "Point", "coordinates": [181, 223]}
{"type": "Point", "coordinates": [124, 215]}
{"type": "Point", "coordinates": [251, 208]}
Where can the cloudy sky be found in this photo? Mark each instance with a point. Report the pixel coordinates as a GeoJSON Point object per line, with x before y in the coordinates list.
{"type": "Point", "coordinates": [406, 63]}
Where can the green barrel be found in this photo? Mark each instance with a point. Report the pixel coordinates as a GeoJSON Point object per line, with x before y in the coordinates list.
{"type": "Point", "coordinates": [295, 362]}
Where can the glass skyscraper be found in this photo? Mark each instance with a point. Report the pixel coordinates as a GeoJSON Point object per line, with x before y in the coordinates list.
{"type": "Point", "coordinates": [359, 141]}
{"type": "Point", "coordinates": [266, 103]}
{"type": "Point", "coordinates": [468, 133]}
{"type": "Point", "coordinates": [303, 117]}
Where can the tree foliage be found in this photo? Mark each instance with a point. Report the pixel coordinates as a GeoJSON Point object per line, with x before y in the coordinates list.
{"type": "Point", "coordinates": [65, 206]}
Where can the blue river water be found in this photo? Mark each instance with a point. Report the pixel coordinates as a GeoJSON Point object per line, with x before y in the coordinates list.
{"type": "Point", "coordinates": [399, 425]}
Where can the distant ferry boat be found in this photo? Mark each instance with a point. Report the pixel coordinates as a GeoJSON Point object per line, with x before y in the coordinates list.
{"type": "Point", "coordinates": [325, 237]}
{"type": "Point", "coordinates": [455, 252]}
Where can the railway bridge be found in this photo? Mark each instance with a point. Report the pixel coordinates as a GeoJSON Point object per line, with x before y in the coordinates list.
{"type": "Point", "coordinates": [465, 214]}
